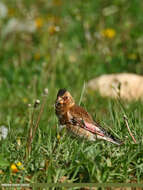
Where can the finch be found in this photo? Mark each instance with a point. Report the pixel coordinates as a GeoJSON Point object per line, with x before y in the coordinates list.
{"type": "Point", "coordinates": [78, 121]}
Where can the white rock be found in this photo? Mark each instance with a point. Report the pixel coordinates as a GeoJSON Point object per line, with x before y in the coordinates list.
{"type": "Point", "coordinates": [126, 85]}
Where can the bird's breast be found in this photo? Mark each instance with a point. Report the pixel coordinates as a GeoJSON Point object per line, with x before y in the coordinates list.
{"type": "Point", "coordinates": [62, 116]}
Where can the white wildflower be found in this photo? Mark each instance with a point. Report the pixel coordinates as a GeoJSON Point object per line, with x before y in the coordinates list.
{"type": "Point", "coordinates": [3, 132]}
{"type": "Point", "coordinates": [3, 10]}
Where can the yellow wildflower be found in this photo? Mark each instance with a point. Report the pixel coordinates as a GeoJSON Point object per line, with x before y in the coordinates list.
{"type": "Point", "coordinates": [108, 33]}
{"type": "Point", "coordinates": [132, 56]}
{"type": "Point", "coordinates": [53, 29]}
{"type": "Point", "coordinates": [57, 2]}
{"type": "Point", "coordinates": [39, 22]}
{"type": "Point", "coordinates": [37, 56]}
{"type": "Point", "coordinates": [25, 100]}
{"type": "Point", "coordinates": [11, 12]}
{"type": "Point", "coordinates": [18, 163]}
{"type": "Point", "coordinates": [20, 166]}
{"type": "Point", "coordinates": [1, 172]}
{"type": "Point", "coordinates": [58, 137]}
{"type": "Point", "coordinates": [14, 168]}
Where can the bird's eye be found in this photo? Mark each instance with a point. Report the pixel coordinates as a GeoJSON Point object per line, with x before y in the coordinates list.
{"type": "Point", "coordinates": [65, 97]}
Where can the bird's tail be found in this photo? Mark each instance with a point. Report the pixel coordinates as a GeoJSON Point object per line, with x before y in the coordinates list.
{"type": "Point", "coordinates": [110, 139]}
{"type": "Point", "coordinates": [101, 133]}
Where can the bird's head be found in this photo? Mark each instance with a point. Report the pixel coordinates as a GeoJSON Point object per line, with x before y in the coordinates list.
{"type": "Point", "coordinates": [64, 99]}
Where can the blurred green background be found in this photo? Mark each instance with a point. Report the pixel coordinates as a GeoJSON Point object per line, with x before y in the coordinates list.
{"type": "Point", "coordinates": [62, 43]}
{"type": "Point", "coordinates": [58, 43]}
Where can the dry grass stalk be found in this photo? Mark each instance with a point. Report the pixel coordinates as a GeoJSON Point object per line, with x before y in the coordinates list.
{"type": "Point", "coordinates": [33, 128]}
{"type": "Point", "coordinates": [126, 121]}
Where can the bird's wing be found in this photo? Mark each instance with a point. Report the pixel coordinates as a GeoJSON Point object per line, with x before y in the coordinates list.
{"type": "Point", "coordinates": [79, 116]}
{"type": "Point", "coordinates": [94, 128]}
{"type": "Point", "coordinates": [79, 112]}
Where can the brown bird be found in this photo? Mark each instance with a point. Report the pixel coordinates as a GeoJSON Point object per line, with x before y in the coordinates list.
{"type": "Point", "coordinates": [78, 120]}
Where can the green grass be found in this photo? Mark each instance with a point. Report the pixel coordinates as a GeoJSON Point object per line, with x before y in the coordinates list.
{"type": "Point", "coordinates": [46, 58]}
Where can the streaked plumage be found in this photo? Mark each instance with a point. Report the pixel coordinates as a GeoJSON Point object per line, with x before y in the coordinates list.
{"type": "Point", "coordinates": [78, 120]}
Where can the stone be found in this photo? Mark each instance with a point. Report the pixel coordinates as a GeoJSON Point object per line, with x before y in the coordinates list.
{"type": "Point", "coordinates": [127, 86]}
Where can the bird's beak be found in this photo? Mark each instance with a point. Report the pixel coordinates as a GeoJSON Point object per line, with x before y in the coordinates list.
{"type": "Point", "coordinates": [59, 101]}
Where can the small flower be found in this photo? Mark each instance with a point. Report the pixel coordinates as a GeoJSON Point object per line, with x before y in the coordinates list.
{"type": "Point", "coordinates": [3, 132]}
{"type": "Point", "coordinates": [29, 105]}
{"type": "Point", "coordinates": [132, 56]}
{"type": "Point", "coordinates": [20, 165]}
{"type": "Point", "coordinates": [39, 22]}
{"type": "Point", "coordinates": [1, 172]}
{"type": "Point", "coordinates": [57, 2]}
{"type": "Point", "coordinates": [53, 29]}
{"type": "Point", "coordinates": [108, 33]}
{"type": "Point", "coordinates": [37, 102]}
{"type": "Point", "coordinates": [25, 100]}
{"type": "Point", "coordinates": [58, 137]}
{"type": "Point", "coordinates": [3, 10]}
{"type": "Point", "coordinates": [46, 91]}
{"type": "Point", "coordinates": [14, 168]}
{"type": "Point", "coordinates": [37, 56]}
{"type": "Point", "coordinates": [11, 12]}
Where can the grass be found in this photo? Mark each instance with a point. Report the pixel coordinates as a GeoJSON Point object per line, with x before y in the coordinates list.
{"type": "Point", "coordinates": [67, 49]}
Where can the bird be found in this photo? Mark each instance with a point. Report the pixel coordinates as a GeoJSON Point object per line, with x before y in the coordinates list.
{"type": "Point", "coordinates": [78, 121]}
